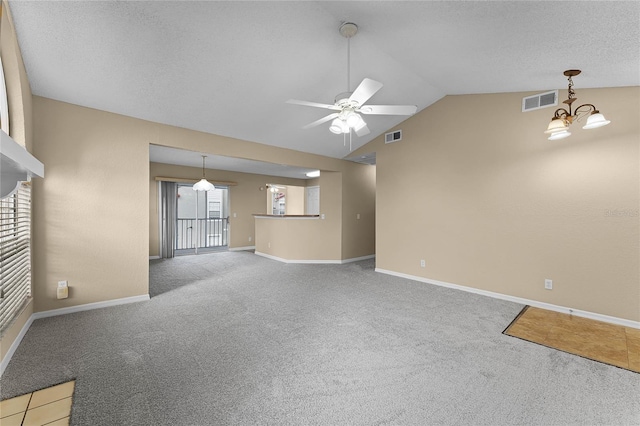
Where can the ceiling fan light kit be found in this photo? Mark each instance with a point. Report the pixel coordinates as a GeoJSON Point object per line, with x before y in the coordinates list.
{"type": "Point", "coordinates": [349, 105]}
{"type": "Point", "coordinates": [559, 126]}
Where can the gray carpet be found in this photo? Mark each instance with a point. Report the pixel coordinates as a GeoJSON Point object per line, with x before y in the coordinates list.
{"type": "Point", "coordinates": [235, 339]}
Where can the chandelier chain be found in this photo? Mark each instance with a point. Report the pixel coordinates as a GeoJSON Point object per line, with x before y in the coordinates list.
{"type": "Point", "coordinates": [572, 93]}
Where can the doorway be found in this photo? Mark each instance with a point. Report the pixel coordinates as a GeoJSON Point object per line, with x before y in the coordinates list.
{"type": "Point", "coordinates": [202, 220]}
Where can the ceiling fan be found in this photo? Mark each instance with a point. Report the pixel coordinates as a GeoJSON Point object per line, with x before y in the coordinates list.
{"type": "Point", "coordinates": [349, 105]}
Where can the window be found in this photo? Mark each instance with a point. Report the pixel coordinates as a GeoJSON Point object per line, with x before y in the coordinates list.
{"type": "Point", "coordinates": [214, 209]}
{"type": "Point", "coordinates": [15, 257]}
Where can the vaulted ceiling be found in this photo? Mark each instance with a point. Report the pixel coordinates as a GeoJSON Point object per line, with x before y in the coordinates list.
{"type": "Point", "coordinates": [227, 67]}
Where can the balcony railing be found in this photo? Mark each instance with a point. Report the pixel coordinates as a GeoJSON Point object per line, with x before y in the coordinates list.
{"type": "Point", "coordinates": [213, 233]}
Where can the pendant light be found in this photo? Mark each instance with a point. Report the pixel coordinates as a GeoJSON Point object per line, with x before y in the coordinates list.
{"type": "Point", "coordinates": [203, 184]}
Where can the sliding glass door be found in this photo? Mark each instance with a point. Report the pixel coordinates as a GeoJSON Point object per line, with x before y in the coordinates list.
{"type": "Point", "coordinates": [202, 220]}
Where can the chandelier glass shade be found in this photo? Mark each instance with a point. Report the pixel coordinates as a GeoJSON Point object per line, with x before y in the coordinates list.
{"type": "Point", "coordinates": [557, 125]}
{"type": "Point", "coordinates": [595, 120]}
{"type": "Point", "coordinates": [559, 135]}
{"type": "Point", "coordinates": [562, 118]}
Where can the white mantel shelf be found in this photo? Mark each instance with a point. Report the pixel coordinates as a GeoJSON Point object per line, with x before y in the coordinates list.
{"type": "Point", "coordinates": [16, 165]}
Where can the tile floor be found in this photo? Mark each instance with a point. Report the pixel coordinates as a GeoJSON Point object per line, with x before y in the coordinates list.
{"type": "Point", "coordinates": [50, 406]}
{"type": "Point", "coordinates": [600, 341]}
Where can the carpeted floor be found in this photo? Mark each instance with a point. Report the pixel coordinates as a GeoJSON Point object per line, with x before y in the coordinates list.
{"type": "Point", "coordinates": [236, 339]}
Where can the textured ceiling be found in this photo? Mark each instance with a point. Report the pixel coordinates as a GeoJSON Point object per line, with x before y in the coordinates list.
{"type": "Point", "coordinates": [228, 67]}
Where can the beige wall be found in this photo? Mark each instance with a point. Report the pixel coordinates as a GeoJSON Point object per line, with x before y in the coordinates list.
{"type": "Point", "coordinates": [294, 239]}
{"type": "Point", "coordinates": [90, 217]}
{"type": "Point", "coordinates": [313, 182]}
{"type": "Point", "coordinates": [358, 212]}
{"type": "Point", "coordinates": [477, 190]}
{"type": "Point", "coordinates": [214, 144]}
{"type": "Point", "coordinates": [295, 200]}
{"type": "Point", "coordinates": [20, 123]}
{"type": "Point", "coordinates": [245, 199]}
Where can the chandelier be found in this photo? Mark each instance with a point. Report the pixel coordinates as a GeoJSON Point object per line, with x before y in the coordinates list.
{"type": "Point", "coordinates": [203, 184]}
{"type": "Point", "coordinates": [562, 119]}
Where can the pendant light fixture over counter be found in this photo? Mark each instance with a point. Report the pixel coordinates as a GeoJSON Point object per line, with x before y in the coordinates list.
{"type": "Point", "coordinates": [203, 184]}
{"type": "Point", "coordinates": [562, 119]}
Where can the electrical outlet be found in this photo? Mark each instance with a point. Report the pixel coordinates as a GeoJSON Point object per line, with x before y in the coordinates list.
{"type": "Point", "coordinates": [268, 245]}
{"type": "Point", "coordinates": [423, 264]}
{"type": "Point", "coordinates": [62, 292]}
{"type": "Point", "coordinates": [357, 215]}
{"type": "Point", "coordinates": [548, 284]}
{"type": "Point", "coordinates": [322, 216]}
{"type": "Point", "coordinates": [249, 239]}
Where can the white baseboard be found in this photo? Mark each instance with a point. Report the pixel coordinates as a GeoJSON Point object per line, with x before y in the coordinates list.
{"type": "Point", "coordinates": [279, 259]}
{"type": "Point", "coordinates": [543, 305]}
{"type": "Point", "coordinates": [357, 259]}
{"type": "Point", "coordinates": [312, 261]}
{"type": "Point", "coordinates": [90, 306]}
{"type": "Point", "coordinates": [154, 257]}
{"type": "Point", "coordinates": [15, 344]}
{"type": "Point", "coordinates": [242, 248]}
{"type": "Point", "coordinates": [64, 311]}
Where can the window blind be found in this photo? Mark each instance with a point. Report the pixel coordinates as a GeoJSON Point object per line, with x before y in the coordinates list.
{"type": "Point", "coordinates": [15, 253]}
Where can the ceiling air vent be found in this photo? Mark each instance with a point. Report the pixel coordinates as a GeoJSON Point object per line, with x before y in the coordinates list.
{"type": "Point", "coordinates": [393, 136]}
{"type": "Point", "coordinates": [541, 100]}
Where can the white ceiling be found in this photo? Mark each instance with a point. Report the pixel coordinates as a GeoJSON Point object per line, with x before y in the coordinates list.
{"type": "Point", "coordinates": [227, 67]}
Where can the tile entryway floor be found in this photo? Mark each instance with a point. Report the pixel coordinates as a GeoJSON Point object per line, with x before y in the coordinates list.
{"type": "Point", "coordinates": [600, 341]}
{"type": "Point", "coordinates": [50, 406]}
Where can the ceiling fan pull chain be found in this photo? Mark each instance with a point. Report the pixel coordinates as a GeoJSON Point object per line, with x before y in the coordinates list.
{"type": "Point", "coordinates": [350, 132]}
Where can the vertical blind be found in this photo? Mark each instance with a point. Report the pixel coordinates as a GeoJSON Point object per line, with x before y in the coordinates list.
{"type": "Point", "coordinates": [15, 256]}
{"type": "Point", "coordinates": [168, 209]}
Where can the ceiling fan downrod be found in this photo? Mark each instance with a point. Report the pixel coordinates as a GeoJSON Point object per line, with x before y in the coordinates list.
{"type": "Point", "coordinates": [348, 30]}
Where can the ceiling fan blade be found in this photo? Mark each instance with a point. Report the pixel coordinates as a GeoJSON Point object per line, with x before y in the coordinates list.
{"type": "Point", "coordinates": [322, 120]}
{"type": "Point", "coordinates": [313, 104]}
{"type": "Point", "coordinates": [364, 130]}
{"type": "Point", "coordinates": [365, 90]}
{"type": "Point", "coordinates": [389, 109]}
